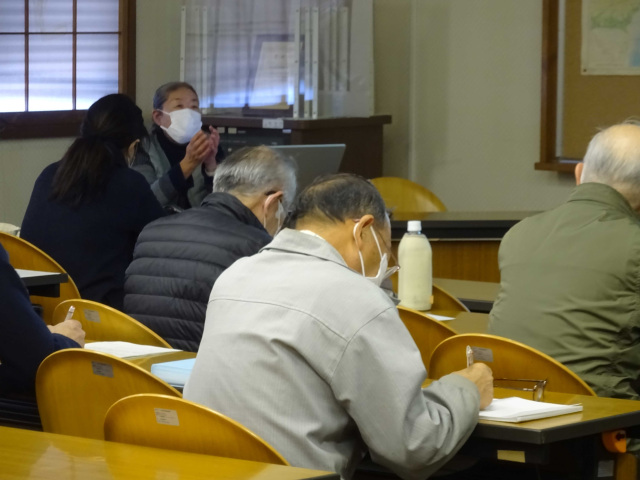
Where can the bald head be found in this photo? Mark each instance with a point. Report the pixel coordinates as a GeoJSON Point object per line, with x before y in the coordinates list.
{"type": "Point", "coordinates": [613, 158]}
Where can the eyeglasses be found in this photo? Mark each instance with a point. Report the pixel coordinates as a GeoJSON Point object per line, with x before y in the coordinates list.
{"type": "Point", "coordinates": [536, 387]}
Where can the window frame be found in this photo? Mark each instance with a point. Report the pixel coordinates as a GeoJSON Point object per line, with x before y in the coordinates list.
{"type": "Point", "coordinates": [66, 123]}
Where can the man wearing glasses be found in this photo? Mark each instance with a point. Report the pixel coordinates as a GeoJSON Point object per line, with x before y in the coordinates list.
{"type": "Point", "coordinates": [302, 346]}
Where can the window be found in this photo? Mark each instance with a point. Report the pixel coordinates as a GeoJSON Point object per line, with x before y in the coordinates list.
{"type": "Point", "coordinates": [57, 57]}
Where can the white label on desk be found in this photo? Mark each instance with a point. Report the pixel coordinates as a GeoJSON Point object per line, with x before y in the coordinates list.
{"type": "Point", "coordinates": [605, 468]}
{"type": "Point", "coordinates": [482, 354]}
{"type": "Point", "coordinates": [102, 369]}
{"type": "Point", "coordinates": [91, 315]}
{"type": "Point", "coordinates": [233, 130]}
{"type": "Point", "coordinates": [164, 416]}
{"type": "Point", "coordinates": [221, 129]}
{"type": "Point", "coordinates": [273, 123]}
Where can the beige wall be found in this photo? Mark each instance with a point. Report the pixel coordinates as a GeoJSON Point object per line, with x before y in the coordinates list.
{"type": "Point", "coordinates": [462, 81]}
{"type": "Point", "coordinates": [460, 77]}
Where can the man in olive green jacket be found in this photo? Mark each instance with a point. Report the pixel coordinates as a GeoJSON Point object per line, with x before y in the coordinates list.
{"type": "Point", "coordinates": [570, 277]}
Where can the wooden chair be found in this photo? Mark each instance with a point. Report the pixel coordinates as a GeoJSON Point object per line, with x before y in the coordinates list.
{"type": "Point", "coordinates": [426, 332]}
{"type": "Point", "coordinates": [76, 387]}
{"type": "Point", "coordinates": [103, 323]}
{"type": "Point", "coordinates": [402, 195]}
{"type": "Point", "coordinates": [516, 360]}
{"type": "Point", "coordinates": [509, 359]}
{"type": "Point", "coordinates": [445, 301]}
{"type": "Point", "coordinates": [173, 423]}
{"type": "Point", "coordinates": [27, 256]}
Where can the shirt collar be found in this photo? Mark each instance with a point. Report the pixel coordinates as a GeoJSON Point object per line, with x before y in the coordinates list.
{"type": "Point", "coordinates": [305, 243]}
{"type": "Point", "coordinates": [601, 193]}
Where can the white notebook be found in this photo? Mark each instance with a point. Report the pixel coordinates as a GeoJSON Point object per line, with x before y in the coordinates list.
{"type": "Point", "coordinates": [514, 409]}
{"type": "Point", "coordinates": [126, 349]}
{"type": "Point", "coordinates": [175, 373]}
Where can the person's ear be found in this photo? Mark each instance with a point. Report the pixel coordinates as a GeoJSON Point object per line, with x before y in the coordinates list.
{"type": "Point", "coordinates": [132, 150]}
{"type": "Point", "coordinates": [156, 116]}
{"type": "Point", "coordinates": [578, 172]}
{"type": "Point", "coordinates": [359, 229]}
{"type": "Point", "coordinates": [271, 203]}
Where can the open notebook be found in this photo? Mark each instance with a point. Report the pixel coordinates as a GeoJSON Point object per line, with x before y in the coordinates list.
{"type": "Point", "coordinates": [514, 410]}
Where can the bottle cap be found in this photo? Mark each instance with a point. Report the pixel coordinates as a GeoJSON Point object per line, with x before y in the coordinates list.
{"type": "Point", "coordinates": [414, 226]}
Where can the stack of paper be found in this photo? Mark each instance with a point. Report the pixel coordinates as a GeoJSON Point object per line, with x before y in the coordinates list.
{"type": "Point", "coordinates": [514, 409]}
{"type": "Point", "coordinates": [126, 349]}
{"type": "Point", "coordinates": [174, 373]}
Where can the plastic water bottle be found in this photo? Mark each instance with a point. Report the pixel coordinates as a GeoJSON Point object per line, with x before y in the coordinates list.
{"type": "Point", "coordinates": [415, 282]}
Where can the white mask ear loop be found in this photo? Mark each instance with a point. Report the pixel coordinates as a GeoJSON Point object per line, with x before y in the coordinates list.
{"type": "Point", "coordinates": [359, 252]}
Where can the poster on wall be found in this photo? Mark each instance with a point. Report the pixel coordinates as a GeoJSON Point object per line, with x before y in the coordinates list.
{"type": "Point", "coordinates": [610, 37]}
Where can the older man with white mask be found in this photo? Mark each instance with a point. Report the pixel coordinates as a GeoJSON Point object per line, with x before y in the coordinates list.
{"type": "Point", "coordinates": [302, 346]}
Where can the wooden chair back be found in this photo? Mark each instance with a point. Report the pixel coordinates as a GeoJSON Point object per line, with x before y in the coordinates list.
{"type": "Point", "coordinates": [507, 359]}
{"type": "Point", "coordinates": [426, 332]}
{"type": "Point", "coordinates": [26, 256]}
{"type": "Point", "coordinates": [173, 423]}
{"type": "Point", "coordinates": [102, 323]}
{"type": "Point", "coordinates": [76, 387]}
{"type": "Point", "coordinates": [402, 195]}
{"type": "Point", "coordinates": [445, 301]}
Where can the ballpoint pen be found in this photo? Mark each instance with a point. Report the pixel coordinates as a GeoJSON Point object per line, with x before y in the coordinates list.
{"type": "Point", "coordinates": [469, 356]}
{"type": "Point", "coordinates": [70, 313]}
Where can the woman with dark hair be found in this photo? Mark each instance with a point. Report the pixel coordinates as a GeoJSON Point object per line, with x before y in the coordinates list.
{"type": "Point", "coordinates": [180, 159]}
{"type": "Point", "coordinates": [87, 210]}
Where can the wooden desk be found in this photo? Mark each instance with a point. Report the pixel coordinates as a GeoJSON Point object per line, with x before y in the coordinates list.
{"type": "Point", "coordinates": [572, 441]}
{"type": "Point", "coordinates": [27, 454]}
{"type": "Point", "coordinates": [476, 296]}
{"type": "Point", "coordinates": [467, 322]}
{"type": "Point", "coordinates": [465, 244]}
{"type": "Point", "coordinates": [44, 284]}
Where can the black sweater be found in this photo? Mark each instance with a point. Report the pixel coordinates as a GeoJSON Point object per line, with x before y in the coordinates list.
{"type": "Point", "coordinates": [93, 242]}
{"type": "Point", "coordinates": [24, 338]}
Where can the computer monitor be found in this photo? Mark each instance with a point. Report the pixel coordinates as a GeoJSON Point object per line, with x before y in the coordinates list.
{"type": "Point", "coordinates": [313, 160]}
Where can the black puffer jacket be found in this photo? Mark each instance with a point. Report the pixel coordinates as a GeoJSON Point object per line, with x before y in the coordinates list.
{"type": "Point", "coordinates": [177, 260]}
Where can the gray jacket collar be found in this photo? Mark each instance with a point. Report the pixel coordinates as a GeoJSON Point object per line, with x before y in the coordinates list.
{"type": "Point", "coordinates": [293, 241]}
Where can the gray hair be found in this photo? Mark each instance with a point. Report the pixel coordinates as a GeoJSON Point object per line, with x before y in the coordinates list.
{"type": "Point", "coordinates": [255, 171]}
{"type": "Point", "coordinates": [163, 92]}
{"type": "Point", "coordinates": [338, 198]}
{"type": "Point", "coordinates": [613, 158]}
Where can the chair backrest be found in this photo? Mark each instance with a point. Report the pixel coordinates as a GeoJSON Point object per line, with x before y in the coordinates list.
{"type": "Point", "coordinates": [162, 421]}
{"type": "Point", "coordinates": [102, 323]}
{"type": "Point", "coordinates": [507, 359]}
{"type": "Point", "coordinates": [27, 256]}
{"type": "Point", "coordinates": [426, 332]}
{"type": "Point", "coordinates": [402, 195]}
{"type": "Point", "coordinates": [76, 387]}
{"type": "Point", "coordinates": [443, 300]}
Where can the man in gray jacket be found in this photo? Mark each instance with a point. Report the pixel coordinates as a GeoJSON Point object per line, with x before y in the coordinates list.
{"type": "Point", "coordinates": [302, 346]}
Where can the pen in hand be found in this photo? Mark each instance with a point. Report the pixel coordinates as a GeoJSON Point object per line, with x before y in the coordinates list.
{"type": "Point", "coordinates": [70, 313]}
{"type": "Point", "coordinates": [469, 356]}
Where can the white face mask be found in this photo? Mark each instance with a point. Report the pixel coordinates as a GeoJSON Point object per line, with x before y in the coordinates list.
{"type": "Point", "coordinates": [280, 215]}
{"type": "Point", "coordinates": [185, 123]}
{"type": "Point", "coordinates": [384, 261]}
